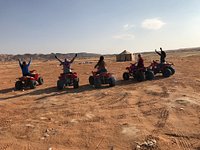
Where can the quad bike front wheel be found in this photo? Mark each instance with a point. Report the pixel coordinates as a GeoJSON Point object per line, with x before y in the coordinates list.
{"type": "Point", "coordinates": [139, 76]}
{"type": "Point", "coordinates": [126, 76]}
{"type": "Point", "coordinates": [149, 75]}
{"type": "Point", "coordinates": [91, 80]}
{"type": "Point", "coordinates": [32, 84]}
{"type": "Point", "coordinates": [111, 81]}
{"type": "Point", "coordinates": [172, 70]}
{"type": "Point", "coordinates": [40, 80]}
{"type": "Point", "coordinates": [18, 85]}
{"type": "Point", "coordinates": [60, 85]}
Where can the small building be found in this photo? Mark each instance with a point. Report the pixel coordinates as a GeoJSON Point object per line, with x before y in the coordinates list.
{"type": "Point", "coordinates": [125, 56]}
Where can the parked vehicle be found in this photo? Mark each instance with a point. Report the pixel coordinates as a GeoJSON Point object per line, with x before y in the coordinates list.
{"type": "Point", "coordinates": [139, 74]}
{"type": "Point", "coordinates": [29, 81]}
{"type": "Point", "coordinates": [166, 69]}
{"type": "Point", "coordinates": [103, 78]}
{"type": "Point", "coordinates": [68, 79]}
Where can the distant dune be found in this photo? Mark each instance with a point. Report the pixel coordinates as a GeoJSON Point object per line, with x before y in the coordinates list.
{"type": "Point", "coordinates": [45, 57]}
{"type": "Point", "coordinates": [9, 57]}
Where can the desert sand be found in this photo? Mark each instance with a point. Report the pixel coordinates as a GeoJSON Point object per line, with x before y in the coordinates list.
{"type": "Point", "coordinates": [165, 110]}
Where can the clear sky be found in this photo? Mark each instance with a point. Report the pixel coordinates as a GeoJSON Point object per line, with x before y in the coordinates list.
{"type": "Point", "coordinates": [99, 26]}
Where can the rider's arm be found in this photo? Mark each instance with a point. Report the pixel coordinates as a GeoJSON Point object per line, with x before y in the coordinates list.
{"type": "Point", "coordinates": [73, 58]}
{"type": "Point", "coordinates": [96, 65]}
{"type": "Point", "coordinates": [20, 64]}
{"type": "Point", "coordinates": [58, 59]}
{"type": "Point", "coordinates": [157, 52]}
{"type": "Point", "coordinates": [29, 62]}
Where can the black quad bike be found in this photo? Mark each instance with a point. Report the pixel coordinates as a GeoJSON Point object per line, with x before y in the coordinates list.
{"type": "Point", "coordinates": [139, 74]}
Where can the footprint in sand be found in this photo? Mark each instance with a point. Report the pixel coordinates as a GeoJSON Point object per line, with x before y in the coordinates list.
{"type": "Point", "coordinates": [155, 90]}
{"type": "Point", "coordinates": [74, 121]}
{"type": "Point", "coordinates": [89, 115]}
{"type": "Point", "coordinates": [130, 130]}
{"type": "Point", "coordinates": [186, 100]}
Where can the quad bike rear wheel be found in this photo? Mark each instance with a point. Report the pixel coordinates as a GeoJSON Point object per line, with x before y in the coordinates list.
{"type": "Point", "coordinates": [91, 80]}
{"type": "Point", "coordinates": [76, 83]}
{"type": "Point", "coordinates": [97, 82]}
{"type": "Point", "coordinates": [126, 76]}
{"type": "Point", "coordinates": [139, 76]}
{"type": "Point", "coordinates": [166, 72]}
{"type": "Point", "coordinates": [19, 85]}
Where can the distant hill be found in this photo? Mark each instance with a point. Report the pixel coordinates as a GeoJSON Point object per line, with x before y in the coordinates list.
{"type": "Point", "coordinates": [195, 49]}
{"type": "Point", "coordinates": [45, 57]}
{"type": "Point", "coordinates": [8, 57]}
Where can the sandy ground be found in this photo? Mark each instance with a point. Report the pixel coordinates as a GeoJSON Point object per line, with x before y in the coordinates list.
{"type": "Point", "coordinates": [165, 110]}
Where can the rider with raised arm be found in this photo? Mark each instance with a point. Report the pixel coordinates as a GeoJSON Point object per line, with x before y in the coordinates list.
{"type": "Point", "coordinates": [66, 64]}
{"type": "Point", "coordinates": [162, 55]}
{"type": "Point", "coordinates": [25, 68]}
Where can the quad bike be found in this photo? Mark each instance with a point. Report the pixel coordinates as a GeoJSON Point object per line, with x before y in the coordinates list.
{"type": "Point", "coordinates": [166, 68]}
{"type": "Point", "coordinates": [140, 74]}
{"type": "Point", "coordinates": [103, 78]}
{"type": "Point", "coordinates": [68, 79]}
{"type": "Point", "coordinates": [29, 81]}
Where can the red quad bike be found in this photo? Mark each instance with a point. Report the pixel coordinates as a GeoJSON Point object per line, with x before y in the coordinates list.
{"type": "Point", "coordinates": [103, 78]}
{"type": "Point", "coordinates": [68, 79]}
{"type": "Point", "coordinates": [28, 81]}
{"type": "Point", "coordinates": [140, 74]}
{"type": "Point", "coordinates": [166, 68]}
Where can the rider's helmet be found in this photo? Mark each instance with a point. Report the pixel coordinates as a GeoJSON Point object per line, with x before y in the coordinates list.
{"type": "Point", "coordinates": [139, 55]}
{"type": "Point", "coordinates": [24, 63]}
{"type": "Point", "coordinates": [101, 58]}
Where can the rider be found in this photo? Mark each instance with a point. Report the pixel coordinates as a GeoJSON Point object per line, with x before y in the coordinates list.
{"type": "Point", "coordinates": [66, 64]}
{"type": "Point", "coordinates": [162, 55]}
{"type": "Point", "coordinates": [101, 65]}
{"type": "Point", "coordinates": [140, 62]}
{"type": "Point", "coordinates": [25, 68]}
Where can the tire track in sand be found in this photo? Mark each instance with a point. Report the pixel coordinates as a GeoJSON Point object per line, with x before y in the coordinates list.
{"type": "Point", "coordinates": [162, 119]}
{"type": "Point", "coordinates": [182, 140]}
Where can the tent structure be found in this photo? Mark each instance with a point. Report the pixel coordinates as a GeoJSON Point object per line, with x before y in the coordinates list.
{"type": "Point", "coordinates": [125, 56]}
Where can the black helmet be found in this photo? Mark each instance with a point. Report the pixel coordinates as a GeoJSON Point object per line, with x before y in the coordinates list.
{"type": "Point", "coordinates": [101, 58]}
